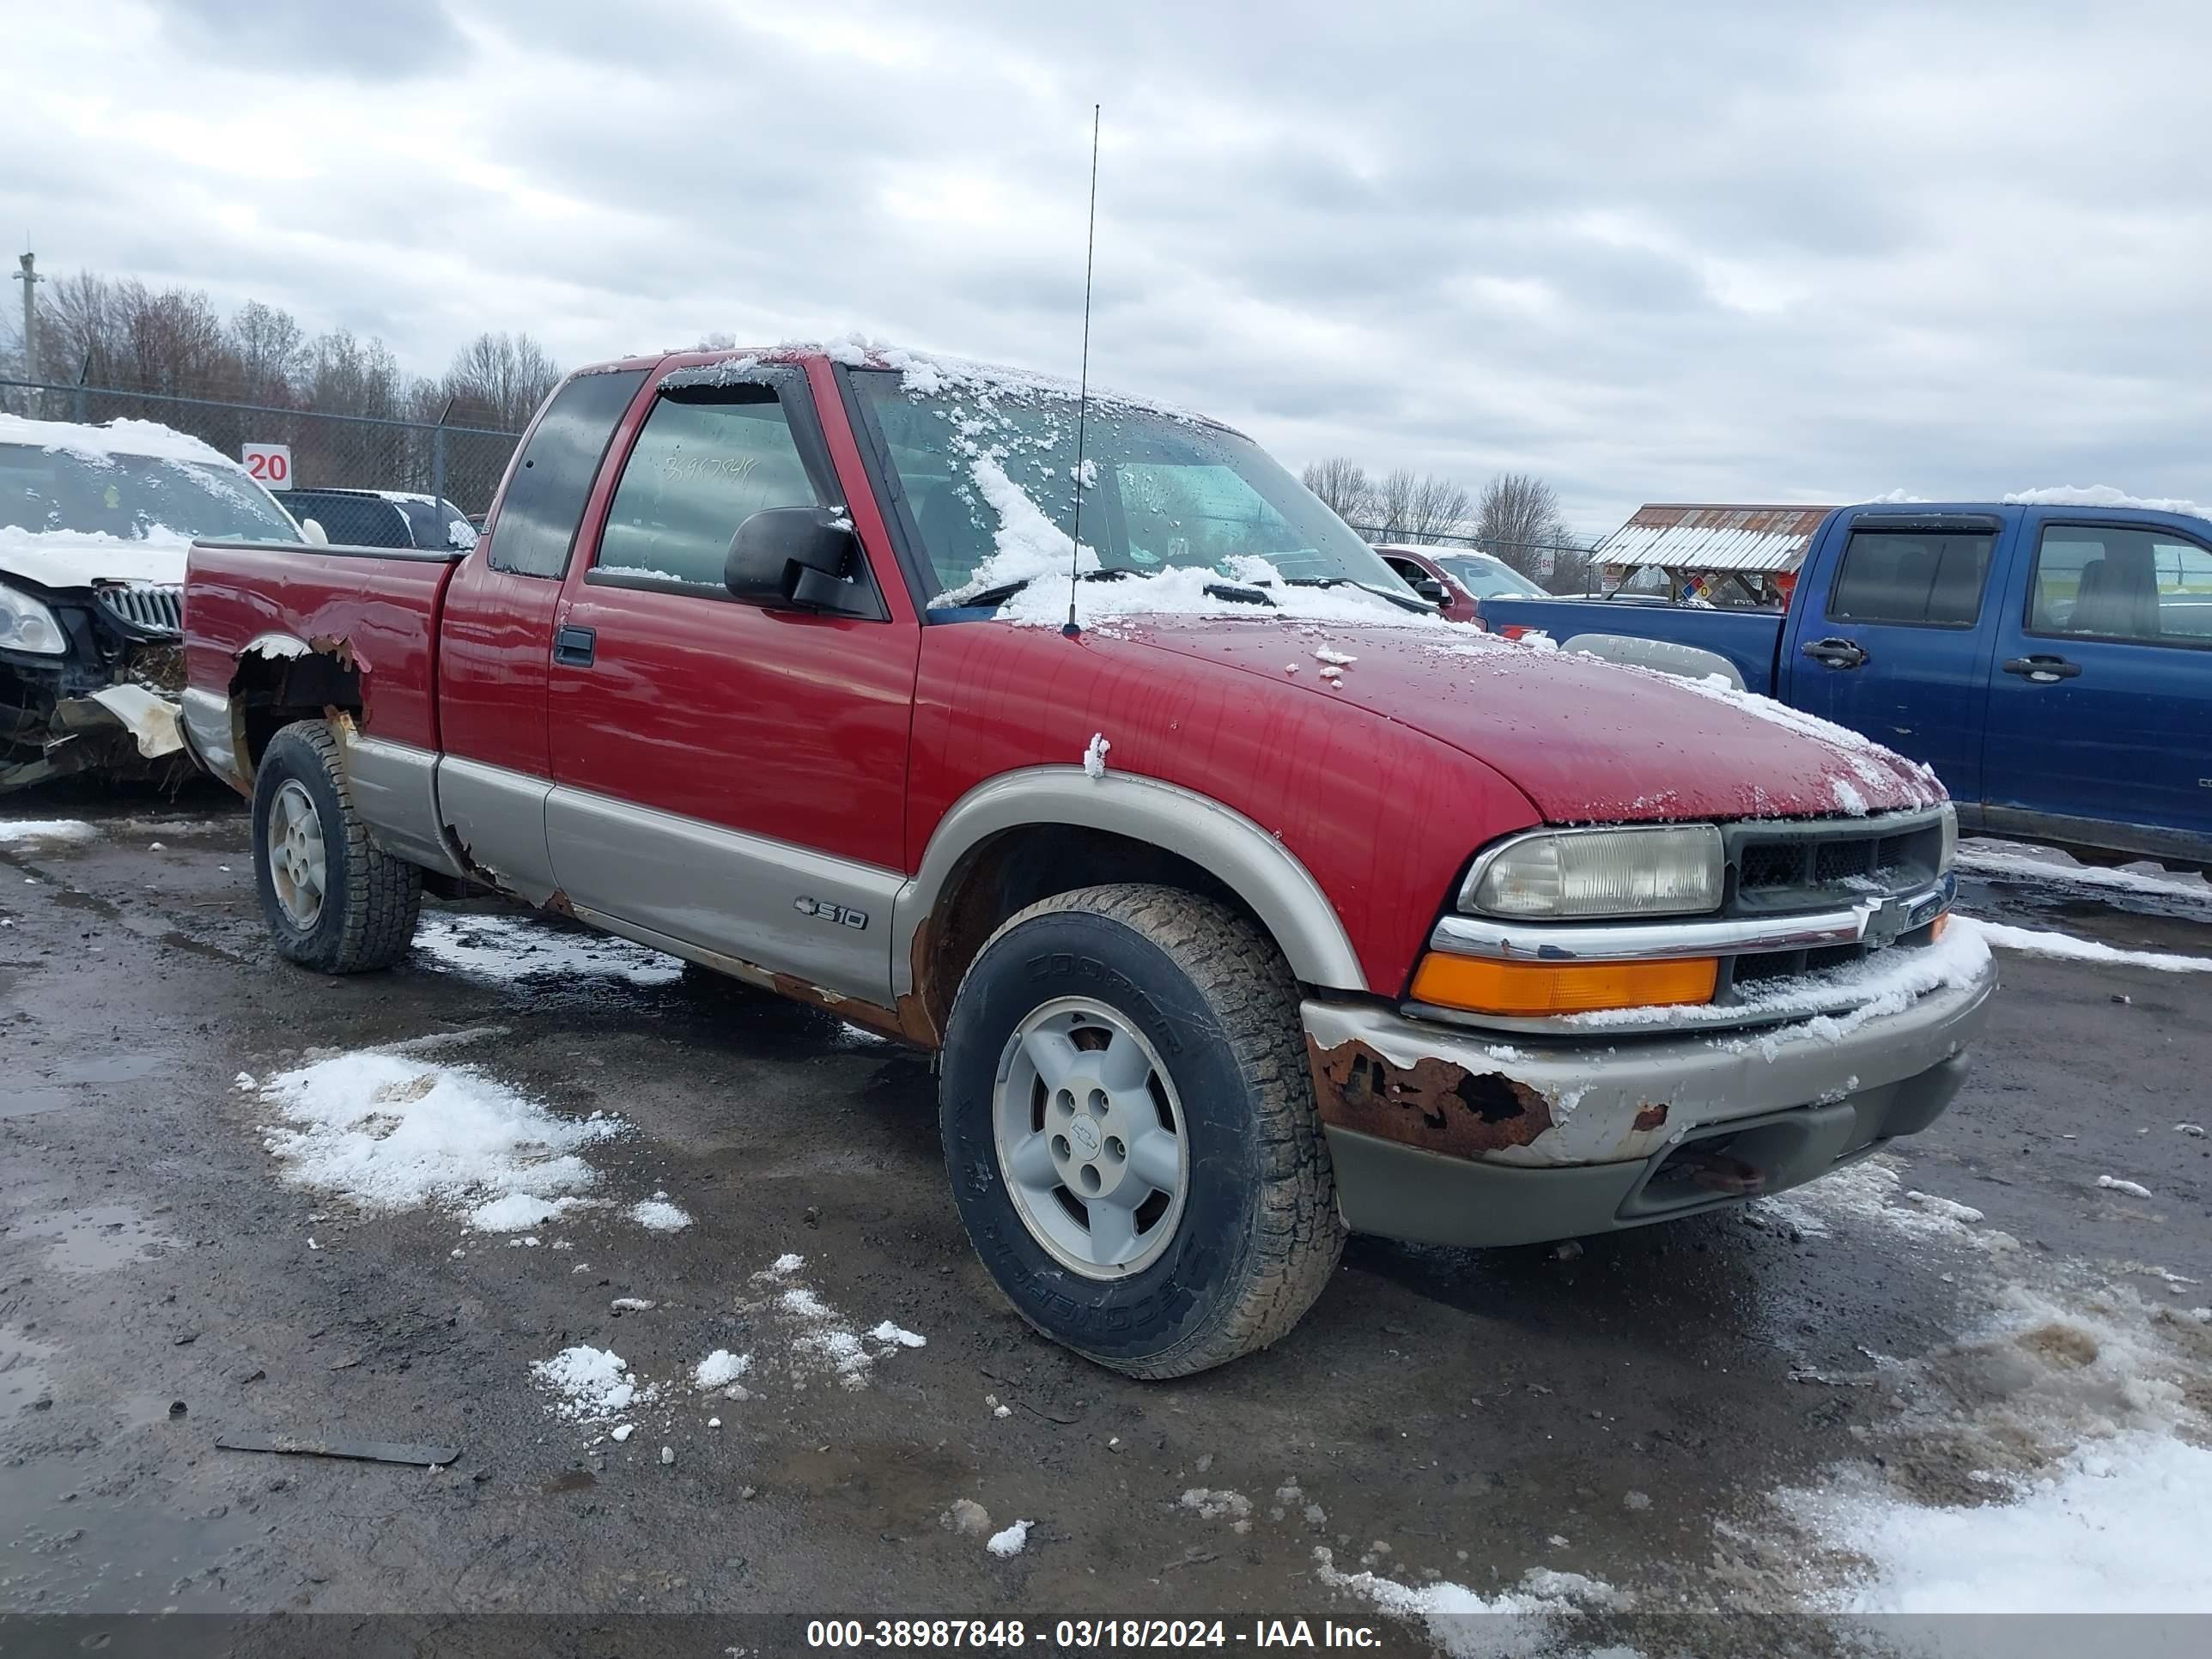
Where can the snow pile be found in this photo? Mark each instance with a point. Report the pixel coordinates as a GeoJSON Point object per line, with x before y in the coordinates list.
{"type": "Point", "coordinates": [656, 1214]}
{"type": "Point", "coordinates": [2115, 1527]}
{"type": "Point", "coordinates": [1872, 1193]}
{"type": "Point", "coordinates": [2035, 941]}
{"type": "Point", "coordinates": [1996, 861]}
{"type": "Point", "coordinates": [820, 1339]}
{"type": "Point", "coordinates": [390, 1133]}
{"type": "Point", "coordinates": [2101, 496]}
{"type": "Point", "coordinates": [1535, 1619]}
{"type": "Point", "coordinates": [1094, 756]}
{"type": "Point", "coordinates": [2042, 1467]}
{"type": "Point", "coordinates": [506, 949]}
{"type": "Point", "coordinates": [1010, 1542]}
{"type": "Point", "coordinates": [2132, 1189]}
{"type": "Point", "coordinates": [720, 1368]}
{"type": "Point", "coordinates": [1211, 1505]}
{"type": "Point", "coordinates": [45, 832]}
{"type": "Point", "coordinates": [591, 1385]}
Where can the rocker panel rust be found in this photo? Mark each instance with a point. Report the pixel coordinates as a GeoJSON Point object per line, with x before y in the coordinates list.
{"type": "Point", "coordinates": [1431, 1104]}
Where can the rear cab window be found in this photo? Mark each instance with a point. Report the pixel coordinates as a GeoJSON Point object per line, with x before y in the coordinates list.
{"type": "Point", "coordinates": [536, 525]}
{"type": "Point", "coordinates": [2134, 585]}
{"type": "Point", "coordinates": [1927, 575]}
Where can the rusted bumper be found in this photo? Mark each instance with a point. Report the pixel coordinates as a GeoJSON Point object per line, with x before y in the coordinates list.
{"type": "Point", "coordinates": [1441, 1136]}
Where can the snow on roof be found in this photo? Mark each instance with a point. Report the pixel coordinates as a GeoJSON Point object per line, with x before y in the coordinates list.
{"type": "Point", "coordinates": [148, 439]}
{"type": "Point", "coordinates": [2101, 495]}
{"type": "Point", "coordinates": [928, 373]}
{"type": "Point", "coordinates": [1713, 537]}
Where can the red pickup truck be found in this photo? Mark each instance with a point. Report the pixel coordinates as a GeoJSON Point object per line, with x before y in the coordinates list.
{"type": "Point", "coordinates": [1257, 905]}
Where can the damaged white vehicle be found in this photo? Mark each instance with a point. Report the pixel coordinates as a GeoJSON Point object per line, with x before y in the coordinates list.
{"type": "Point", "coordinates": [94, 524]}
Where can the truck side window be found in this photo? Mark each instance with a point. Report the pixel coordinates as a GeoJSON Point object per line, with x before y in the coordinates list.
{"type": "Point", "coordinates": [705, 463]}
{"type": "Point", "coordinates": [544, 499]}
{"type": "Point", "coordinates": [2115, 584]}
{"type": "Point", "coordinates": [1926, 579]}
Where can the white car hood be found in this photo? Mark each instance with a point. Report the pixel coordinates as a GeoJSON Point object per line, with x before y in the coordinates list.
{"type": "Point", "coordinates": [74, 559]}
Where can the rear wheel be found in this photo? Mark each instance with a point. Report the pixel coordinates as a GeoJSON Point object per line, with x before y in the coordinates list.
{"type": "Point", "coordinates": [1129, 1122]}
{"type": "Point", "coordinates": [334, 899]}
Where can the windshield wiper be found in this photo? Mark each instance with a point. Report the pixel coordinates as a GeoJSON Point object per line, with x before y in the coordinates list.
{"type": "Point", "coordinates": [992, 598]}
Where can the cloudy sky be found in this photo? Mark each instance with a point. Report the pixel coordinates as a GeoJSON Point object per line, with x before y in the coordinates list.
{"type": "Point", "coordinates": [1702, 250]}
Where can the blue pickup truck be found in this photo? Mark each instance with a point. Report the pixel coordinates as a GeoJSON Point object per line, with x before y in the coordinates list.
{"type": "Point", "coordinates": [2053, 664]}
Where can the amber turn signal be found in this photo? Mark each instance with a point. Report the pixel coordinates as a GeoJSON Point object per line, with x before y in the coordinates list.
{"type": "Point", "coordinates": [1533, 988]}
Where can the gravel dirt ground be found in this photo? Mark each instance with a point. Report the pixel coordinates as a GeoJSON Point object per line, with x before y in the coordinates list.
{"type": "Point", "coordinates": [1623, 1410]}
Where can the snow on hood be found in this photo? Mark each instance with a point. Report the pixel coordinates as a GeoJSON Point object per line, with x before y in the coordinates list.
{"type": "Point", "coordinates": [149, 440]}
{"type": "Point", "coordinates": [1585, 741]}
{"type": "Point", "coordinates": [72, 558]}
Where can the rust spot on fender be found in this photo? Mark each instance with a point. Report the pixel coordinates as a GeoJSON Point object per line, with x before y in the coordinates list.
{"type": "Point", "coordinates": [1649, 1116]}
{"type": "Point", "coordinates": [1433, 1103]}
{"type": "Point", "coordinates": [557, 902]}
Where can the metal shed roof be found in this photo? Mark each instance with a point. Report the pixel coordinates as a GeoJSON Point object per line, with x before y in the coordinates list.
{"type": "Point", "coordinates": [1713, 537]}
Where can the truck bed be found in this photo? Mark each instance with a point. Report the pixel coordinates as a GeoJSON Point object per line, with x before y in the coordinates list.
{"type": "Point", "coordinates": [372, 611]}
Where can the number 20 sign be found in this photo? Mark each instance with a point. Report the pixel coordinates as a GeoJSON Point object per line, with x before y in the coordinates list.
{"type": "Point", "coordinates": [270, 464]}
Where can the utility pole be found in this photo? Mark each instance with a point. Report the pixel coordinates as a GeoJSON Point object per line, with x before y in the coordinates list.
{"type": "Point", "coordinates": [29, 277]}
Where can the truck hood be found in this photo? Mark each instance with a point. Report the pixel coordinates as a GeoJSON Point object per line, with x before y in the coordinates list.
{"type": "Point", "coordinates": [61, 558]}
{"type": "Point", "coordinates": [1585, 741]}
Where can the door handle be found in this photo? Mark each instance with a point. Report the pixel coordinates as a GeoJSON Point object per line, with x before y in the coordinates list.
{"type": "Point", "coordinates": [2042, 671]}
{"type": "Point", "coordinates": [574, 646]}
{"type": "Point", "coordinates": [1838, 654]}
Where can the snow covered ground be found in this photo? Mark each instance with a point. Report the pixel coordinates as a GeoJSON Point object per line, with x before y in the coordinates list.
{"type": "Point", "coordinates": [1998, 861]}
{"type": "Point", "coordinates": [506, 949]}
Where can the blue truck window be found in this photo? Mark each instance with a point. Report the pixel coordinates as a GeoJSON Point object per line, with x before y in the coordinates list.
{"type": "Point", "coordinates": [1927, 578]}
{"type": "Point", "coordinates": [2107, 583]}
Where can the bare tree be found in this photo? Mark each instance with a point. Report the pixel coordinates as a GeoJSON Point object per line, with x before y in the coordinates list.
{"type": "Point", "coordinates": [270, 349]}
{"type": "Point", "coordinates": [1407, 506]}
{"type": "Point", "coordinates": [499, 380]}
{"type": "Point", "coordinates": [1518, 518]}
{"type": "Point", "coordinates": [1343, 484]}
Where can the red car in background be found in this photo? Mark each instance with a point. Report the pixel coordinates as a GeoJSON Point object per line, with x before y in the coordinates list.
{"type": "Point", "coordinates": [1457, 580]}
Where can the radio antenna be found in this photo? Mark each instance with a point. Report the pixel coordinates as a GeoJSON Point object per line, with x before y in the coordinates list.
{"type": "Point", "coordinates": [1082, 387]}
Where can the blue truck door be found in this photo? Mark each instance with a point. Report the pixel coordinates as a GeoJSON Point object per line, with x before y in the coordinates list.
{"type": "Point", "coordinates": [2100, 694]}
{"type": "Point", "coordinates": [1885, 641]}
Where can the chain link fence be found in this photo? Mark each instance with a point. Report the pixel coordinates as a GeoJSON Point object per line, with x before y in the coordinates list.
{"type": "Point", "coordinates": [463, 464]}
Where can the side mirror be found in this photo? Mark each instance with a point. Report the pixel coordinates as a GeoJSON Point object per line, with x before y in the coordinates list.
{"type": "Point", "coordinates": [795, 558]}
{"type": "Point", "coordinates": [1433, 591]}
{"type": "Point", "coordinates": [312, 532]}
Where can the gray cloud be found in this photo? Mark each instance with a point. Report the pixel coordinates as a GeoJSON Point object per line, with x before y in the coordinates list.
{"type": "Point", "coordinates": [1712, 250]}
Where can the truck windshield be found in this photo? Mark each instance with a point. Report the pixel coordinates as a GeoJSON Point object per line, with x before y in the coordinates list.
{"type": "Point", "coordinates": [133, 497]}
{"type": "Point", "coordinates": [986, 464]}
{"type": "Point", "coordinates": [1487, 577]}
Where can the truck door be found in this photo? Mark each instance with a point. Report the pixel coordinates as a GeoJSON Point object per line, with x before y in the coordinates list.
{"type": "Point", "coordinates": [728, 776]}
{"type": "Point", "coordinates": [496, 631]}
{"type": "Point", "coordinates": [1887, 642]}
{"type": "Point", "coordinates": [2100, 705]}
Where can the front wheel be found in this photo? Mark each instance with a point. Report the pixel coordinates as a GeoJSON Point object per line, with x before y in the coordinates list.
{"type": "Point", "coordinates": [334, 899]}
{"type": "Point", "coordinates": [1129, 1122]}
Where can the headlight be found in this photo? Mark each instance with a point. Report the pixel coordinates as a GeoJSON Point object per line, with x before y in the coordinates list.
{"type": "Point", "coordinates": [27, 625]}
{"type": "Point", "coordinates": [1949, 855]}
{"type": "Point", "coordinates": [1660, 870]}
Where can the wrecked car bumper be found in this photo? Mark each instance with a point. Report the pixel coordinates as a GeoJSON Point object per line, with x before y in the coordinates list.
{"type": "Point", "coordinates": [1440, 1136]}
{"type": "Point", "coordinates": [58, 725]}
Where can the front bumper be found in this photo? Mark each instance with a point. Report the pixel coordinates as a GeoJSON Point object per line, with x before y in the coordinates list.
{"type": "Point", "coordinates": [1444, 1137]}
{"type": "Point", "coordinates": [61, 715]}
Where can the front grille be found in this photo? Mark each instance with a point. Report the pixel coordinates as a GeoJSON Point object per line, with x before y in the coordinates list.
{"type": "Point", "coordinates": [1776, 868]}
{"type": "Point", "coordinates": [149, 607]}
